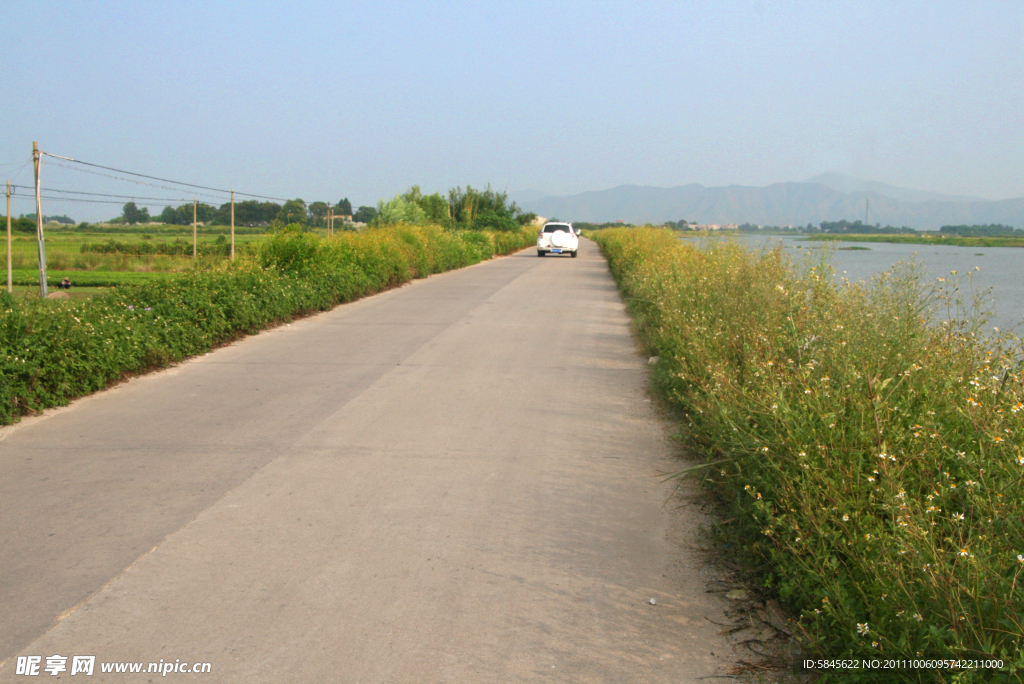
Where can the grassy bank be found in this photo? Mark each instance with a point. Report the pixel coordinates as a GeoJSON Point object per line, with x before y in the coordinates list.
{"type": "Point", "coordinates": [54, 350]}
{"type": "Point", "coordinates": [925, 240]}
{"type": "Point", "coordinates": [871, 455]}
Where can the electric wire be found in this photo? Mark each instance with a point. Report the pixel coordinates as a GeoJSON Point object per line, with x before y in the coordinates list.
{"type": "Point", "coordinates": [129, 197]}
{"type": "Point", "coordinates": [136, 182]}
{"type": "Point", "coordinates": [162, 180]}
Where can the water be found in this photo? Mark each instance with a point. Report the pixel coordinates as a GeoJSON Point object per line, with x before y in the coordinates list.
{"type": "Point", "coordinates": [1000, 270]}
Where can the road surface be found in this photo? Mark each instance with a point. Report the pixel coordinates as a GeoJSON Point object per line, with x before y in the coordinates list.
{"type": "Point", "coordinates": [453, 481]}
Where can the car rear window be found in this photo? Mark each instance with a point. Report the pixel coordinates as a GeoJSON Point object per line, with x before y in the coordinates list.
{"type": "Point", "coordinates": [552, 227]}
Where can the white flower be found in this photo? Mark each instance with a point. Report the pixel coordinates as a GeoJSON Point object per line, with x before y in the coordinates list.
{"type": "Point", "coordinates": [862, 629]}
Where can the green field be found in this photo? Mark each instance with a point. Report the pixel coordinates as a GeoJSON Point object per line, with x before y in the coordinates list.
{"type": "Point", "coordinates": [29, 277]}
{"type": "Point", "coordinates": [924, 240]}
{"type": "Point", "coordinates": [64, 251]}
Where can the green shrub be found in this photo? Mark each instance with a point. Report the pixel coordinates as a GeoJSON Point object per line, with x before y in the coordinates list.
{"type": "Point", "coordinates": [54, 350]}
{"type": "Point", "coordinates": [872, 454]}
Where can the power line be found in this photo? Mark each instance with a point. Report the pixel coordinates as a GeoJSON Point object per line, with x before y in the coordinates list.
{"type": "Point", "coordinates": [129, 180]}
{"type": "Point", "coordinates": [130, 197]}
{"type": "Point", "coordinates": [162, 180]}
{"type": "Point", "coordinates": [161, 202]}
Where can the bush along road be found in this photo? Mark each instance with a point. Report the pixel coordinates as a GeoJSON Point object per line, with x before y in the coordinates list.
{"type": "Point", "coordinates": [53, 351]}
{"type": "Point", "coordinates": [871, 451]}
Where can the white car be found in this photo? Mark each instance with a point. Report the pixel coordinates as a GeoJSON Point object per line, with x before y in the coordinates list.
{"type": "Point", "coordinates": [557, 238]}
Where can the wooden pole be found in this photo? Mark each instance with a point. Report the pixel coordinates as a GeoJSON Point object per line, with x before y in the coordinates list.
{"type": "Point", "coordinates": [330, 220]}
{"type": "Point", "coordinates": [195, 202]}
{"type": "Point", "coordinates": [10, 282]}
{"type": "Point", "coordinates": [232, 225]}
{"type": "Point", "coordinates": [39, 223]}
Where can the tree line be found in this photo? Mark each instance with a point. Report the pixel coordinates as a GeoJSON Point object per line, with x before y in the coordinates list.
{"type": "Point", "coordinates": [251, 213]}
{"type": "Point", "coordinates": [990, 230]}
{"type": "Point", "coordinates": [486, 209]}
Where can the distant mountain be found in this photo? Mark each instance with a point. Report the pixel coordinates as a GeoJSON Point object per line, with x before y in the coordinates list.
{"type": "Point", "coordinates": [526, 195]}
{"type": "Point", "coordinates": [779, 204]}
{"type": "Point", "coordinates": [848, 184]}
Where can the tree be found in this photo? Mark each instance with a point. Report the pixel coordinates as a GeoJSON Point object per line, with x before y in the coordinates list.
{"type": "Point", "coordinates": [249, 213]}
{"type": "Point", "coordinates": [293, 211]}
{"type": "Point", "coordinates": [479, 209]}
{"type": "Point", "coordinates": [132, 214]}
{"type": "Point", "coordinates": [399, 210]}
{"type": "Point", "coordinates": [318, 213]}
{"type": "Point", "coordinates": [434, 206]}
{"type": "Point", "coordinates": [344, 208]}
{"type": "Point", "coordinates": [364, 215]}
{"type": "Point", "coordinates": [21, 225]}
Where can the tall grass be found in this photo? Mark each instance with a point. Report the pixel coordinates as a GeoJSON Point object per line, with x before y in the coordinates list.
{"type": "Point", "coordinates": [871, 451]}
{"type": "Point", "coordinates": [52, 351]}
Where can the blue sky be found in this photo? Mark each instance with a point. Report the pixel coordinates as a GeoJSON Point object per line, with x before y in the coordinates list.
{"type": "Point", "coordinates": [325, 100]}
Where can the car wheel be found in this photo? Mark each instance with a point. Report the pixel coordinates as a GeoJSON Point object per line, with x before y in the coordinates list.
{"type": "Point", "coordinates": [540, 253]}
{"type": "Point", "coordinates": [573, 254]}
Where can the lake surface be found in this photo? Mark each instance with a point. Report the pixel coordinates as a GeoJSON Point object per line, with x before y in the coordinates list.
{"type": "Point", "coordinates": [997, 269]}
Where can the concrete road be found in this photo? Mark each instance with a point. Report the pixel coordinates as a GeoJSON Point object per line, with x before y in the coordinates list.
{"type": "Point", "coordinates": [454, 481]}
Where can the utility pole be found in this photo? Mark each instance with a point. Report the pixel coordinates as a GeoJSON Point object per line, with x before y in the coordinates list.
{"type": "Point", "coordinates": [232, 225]}
{"type": "Point", "coordinates": [867, 212]}
{"type": "Point", "coordinates": [39, 223]}
{"type": "Point", "coordinates": [330, 220]}
{"type": "Point", "coordinates": [10, 282]}
{"type": "Point", "coordinates": [194, 203]}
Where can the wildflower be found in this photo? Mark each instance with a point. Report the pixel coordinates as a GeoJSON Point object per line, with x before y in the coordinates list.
{"type": "Point", "coordinates": [862, 629]}
{"type": "Point", "coordinates": [871, 478]}
{"type": "Point", "coordinates": [867, 537]}
{"type": "Point", "coordinates": [874, 644]}
{"type": "Point", "coordinates": [958, 516]}
{"type": "Point", "coordinates": [825, 600]}
{"type": "Point", "coordinates": [963, 553]}
{"type": "Point", "coordinates": [807, 391]}
{"type": "Point", "coordinates": [1020, 558]}
{"type": "Point", "coordinates": [846, 518]}
{"type": "Point", "coordinates": [917, 616]}
{"type": "Point", "coordinates": [802, 454]}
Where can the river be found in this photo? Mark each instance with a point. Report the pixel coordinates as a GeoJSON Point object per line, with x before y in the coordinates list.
{"type": "Point", "coordinates": [999, 270]}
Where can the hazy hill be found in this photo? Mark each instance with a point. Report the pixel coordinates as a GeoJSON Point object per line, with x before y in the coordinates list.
{"type": "Point", "coordinates": [778, 204]}
{"type": "Point", "coordinates": [848, 184]}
